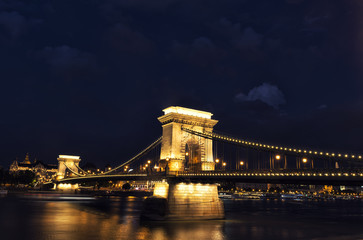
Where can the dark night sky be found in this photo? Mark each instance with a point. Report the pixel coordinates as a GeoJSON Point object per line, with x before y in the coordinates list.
{"type": "Point", "coordinates": [90, 77]}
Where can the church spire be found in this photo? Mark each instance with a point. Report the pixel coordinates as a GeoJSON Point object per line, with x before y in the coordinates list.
{"type": "Point", "coordinates": [26, 160]}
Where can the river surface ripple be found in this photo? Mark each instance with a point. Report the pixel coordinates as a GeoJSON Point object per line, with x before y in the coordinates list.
{"type": "Point", "coordinates": [39, 218]}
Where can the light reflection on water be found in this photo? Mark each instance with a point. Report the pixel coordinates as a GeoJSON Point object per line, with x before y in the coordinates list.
{"type": "Point", "coordinates": [118, 218]}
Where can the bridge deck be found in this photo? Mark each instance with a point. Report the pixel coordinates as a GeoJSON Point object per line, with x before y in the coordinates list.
{"type": "Point", "coordinates": [264, 176]}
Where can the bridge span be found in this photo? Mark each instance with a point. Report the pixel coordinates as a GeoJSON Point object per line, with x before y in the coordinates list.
{"type": "Point", "coordinates": [308, 177]}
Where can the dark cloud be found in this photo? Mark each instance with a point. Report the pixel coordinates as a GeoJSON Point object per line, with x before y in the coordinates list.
{"type": "Point", "coordinates": [239, 37]}
{"type": "Point", "coordinates": [267, 93]}
{"type": "Point", "coordinates": [64, 57]}
{"type": "Point", "coordinates": [153, 5]}
{"type": "Point", "coordinates": [126, 40]}
{"type": "Point", "coordinates": [13, 22]}
{"type": "Point", "coordinates": [322, 106]}
{"type": "Point", "coordinates": [249, 38]}
{"type": "Point", "coordinates": [202, 52]}
{"type": "Point", "coordinates": [294, 1]}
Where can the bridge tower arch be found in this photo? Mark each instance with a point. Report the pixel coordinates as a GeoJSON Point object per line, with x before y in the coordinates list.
{"type": "Point", "coordinates": [179, 147]}
{"type": "Point", "coordinates": [67, 161]}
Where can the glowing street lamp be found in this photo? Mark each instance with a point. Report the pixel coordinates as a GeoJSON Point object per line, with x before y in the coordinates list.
{"type": "Point", "coordinates": [241, 163]}
{"type": "Point", "coordinates": [217, 160]}
{"type": "Point", "coordinates": [304, 160]}
{"type": "Point", "coordinates": [148, 161]}
{"type": "Point", "coordinates": [224, 164]}
{"type": "Point", "coordinates": [278, 157]}
{"type": "Point", "coordinates": [186, 154]}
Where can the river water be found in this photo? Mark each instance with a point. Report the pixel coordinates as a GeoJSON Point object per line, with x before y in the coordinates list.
{"type": "Point", "coordinates": [39, 218]}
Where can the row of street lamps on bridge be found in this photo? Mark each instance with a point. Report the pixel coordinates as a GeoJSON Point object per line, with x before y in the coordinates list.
{"type": "Point", "coordinates": [304, 161]}
{"type": "Point", "coordinates": [242, 164]}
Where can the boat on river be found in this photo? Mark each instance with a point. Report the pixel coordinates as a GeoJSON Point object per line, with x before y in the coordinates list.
{"type": "Point", "coordinates": [3, 192]}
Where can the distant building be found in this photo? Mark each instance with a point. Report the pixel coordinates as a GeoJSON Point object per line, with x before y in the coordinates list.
{"type": "Point", "coordinates": [44, 172]}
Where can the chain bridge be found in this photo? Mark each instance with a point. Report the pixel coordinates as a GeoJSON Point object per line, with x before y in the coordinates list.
{"type": "Point", "coordinates": [190, 150]}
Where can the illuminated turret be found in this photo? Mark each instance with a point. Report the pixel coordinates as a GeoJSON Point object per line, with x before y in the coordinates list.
{"type": "Point", "coordinates": [26, 160]}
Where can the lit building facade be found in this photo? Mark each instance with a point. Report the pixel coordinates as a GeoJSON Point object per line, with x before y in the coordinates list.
{"type": "Point", "coordinates": [44, 172]}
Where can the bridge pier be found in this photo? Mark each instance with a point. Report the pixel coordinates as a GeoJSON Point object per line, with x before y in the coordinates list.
{"type": "Point", "coordinates": [66, 187]}
{"type": "Point", "coordinates": [183, 201]}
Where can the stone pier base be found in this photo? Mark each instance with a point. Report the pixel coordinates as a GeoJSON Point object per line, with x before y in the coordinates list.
{"type": "Point", "coordinates": [184, 201]}
{"type": "Point", "coordinates": [66, 187]}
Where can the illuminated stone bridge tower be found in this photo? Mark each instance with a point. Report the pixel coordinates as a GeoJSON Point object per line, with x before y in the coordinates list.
{"type": "Point", "coordinates": [180, 149]}
{"type": "Point", "coordinates": [67, 161]}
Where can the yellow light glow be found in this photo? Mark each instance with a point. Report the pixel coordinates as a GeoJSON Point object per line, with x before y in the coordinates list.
{"type": "Point", "coordinates": [188, 111]}
{"type": "Point", "coordinates": [278, 157]}
{"type": "Point", "coordinates": [304, 160]}
{"type": "Point", "coordinates": [224, 164]}
{"type": "Point", "coordinates": [217, 160]}
{"type": "Point", "coordinates": [161, 189]}
{"type": "Point", "coordinates": [241, 163]}
{"type": "Point", "coordinates": [186, 154]}
{"type": "Point", "coordinates": [69, 156]}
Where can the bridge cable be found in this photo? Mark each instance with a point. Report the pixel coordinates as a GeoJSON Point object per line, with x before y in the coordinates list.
{"type": "Point", "coordinates": [294, 151]}
{"type": "Point", "coordinates": [137, 156]}
{"type": "Point", "coordinates": [80, 175]}
{"type": "Point", "coordinates": [85, 172]}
